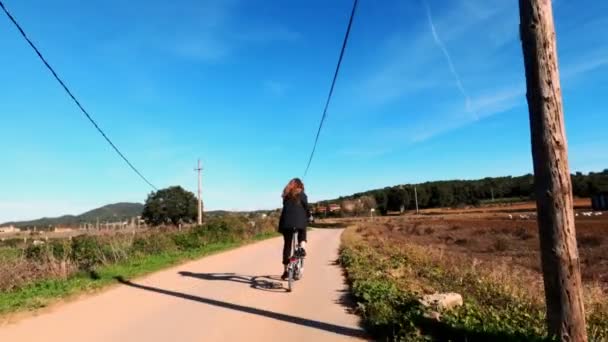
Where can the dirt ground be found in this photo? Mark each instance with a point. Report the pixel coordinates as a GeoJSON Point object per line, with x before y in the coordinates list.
{"type": "Point", "coordinates": [580, 204]}
{"type": "Point", "coordinates": [502, 233]}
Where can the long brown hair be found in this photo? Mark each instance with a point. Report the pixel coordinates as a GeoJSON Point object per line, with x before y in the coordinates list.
{"type": "Point", "coordinates": [293, 189]}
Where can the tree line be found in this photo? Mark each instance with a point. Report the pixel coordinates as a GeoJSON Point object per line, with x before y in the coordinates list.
{"type": "Point", "coordinates": [175, 206]}
{"type": "Point", "coordinates": [462, 192]}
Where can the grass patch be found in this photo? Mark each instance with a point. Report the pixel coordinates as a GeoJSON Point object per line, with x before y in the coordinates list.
{"type": "Point", "coordinates": [387, 277]}
{"type": "Point", "coordinates": [9, 253]}
{"type": "Point", "coordinates": [43, 293]}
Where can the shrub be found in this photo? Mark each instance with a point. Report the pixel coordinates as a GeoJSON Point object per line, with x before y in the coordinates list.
{"type": "Point", "coordinates": [60, 249]}
{"type": "Point", "coordinates": [16, 273]}
{"type": "Point", "coordinates": [187, 241]}
{"type": "Point", "coordinates": [221, 229]}
{"type": "Point", "coordinates": [461, 242]}
{"type": "Point", "coordinates": [590, 241]}
{"type": "Point", "coordinates": [378, 298]}
{"type": "Point", "coordinates": [153, 244]}
{"type": "Point", "coordinates": [117, 247]}
{"type": "Point", "coordinates": [36, 252]}
{"type": "Point", "coordinates": [523, 233]}
{"type": "Point", "coordinates": [85, 252]}
{"type": "Point", "coordinates": [500, 244]}
{"type": "Point", "coordinates": [50, 260]}
{"type": "Point", "coordinates": [50, 251]}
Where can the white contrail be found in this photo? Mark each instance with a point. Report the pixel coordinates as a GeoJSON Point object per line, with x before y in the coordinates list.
{"type": "Point", "coordinates": [448, 58]}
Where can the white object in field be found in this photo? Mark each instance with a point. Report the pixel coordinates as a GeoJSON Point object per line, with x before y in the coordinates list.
{"type": "Point", "coordinates": [442, 301]}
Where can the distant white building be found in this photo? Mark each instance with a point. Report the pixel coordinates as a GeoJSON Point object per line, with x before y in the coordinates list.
{"type": "Point", "coordinates": [63, 230]}
{"type": "Point", "coordinates": [9, 229]}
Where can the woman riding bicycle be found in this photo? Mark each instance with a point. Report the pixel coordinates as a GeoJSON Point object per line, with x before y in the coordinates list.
{"type": "Point", "coordinates": [294, 217]}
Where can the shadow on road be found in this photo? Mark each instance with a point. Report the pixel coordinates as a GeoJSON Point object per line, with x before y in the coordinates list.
{"type": "Point", "coordinates": [348, 302]}
{"type": "Point", "coordinates": [336, 329]}
{"type": "Point", "coordinates": [264, 283]}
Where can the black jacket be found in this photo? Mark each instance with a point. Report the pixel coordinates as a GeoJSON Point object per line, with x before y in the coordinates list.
{"type": "Point", "coordinates": [295, 213]}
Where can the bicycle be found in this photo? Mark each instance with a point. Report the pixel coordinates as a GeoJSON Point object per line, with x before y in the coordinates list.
{"type": "Point", "coordinates": [295, 267]}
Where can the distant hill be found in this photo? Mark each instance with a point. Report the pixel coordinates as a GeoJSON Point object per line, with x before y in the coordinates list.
{"type": "Point", "coordinates": [111, 212]}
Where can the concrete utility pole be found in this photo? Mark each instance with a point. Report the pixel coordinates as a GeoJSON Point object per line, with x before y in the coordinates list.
{"type": "Point", "coordinates": [559, 253]}
{"type": "Point", "coordinates": [200, 203]}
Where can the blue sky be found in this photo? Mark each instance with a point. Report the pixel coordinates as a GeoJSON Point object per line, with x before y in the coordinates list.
{"type": "Point", "coordinates": [426, 91]}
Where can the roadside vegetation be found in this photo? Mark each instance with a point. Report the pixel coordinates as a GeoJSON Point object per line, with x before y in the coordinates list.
{"type": "Point", "coordinates": [36, 275]}
{"type": "Point", "coordinates": [502, 301]}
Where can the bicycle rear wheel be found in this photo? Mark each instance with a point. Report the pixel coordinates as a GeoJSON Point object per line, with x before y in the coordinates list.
{"type": "Point", "coordinates": [299, 269]}
{"type": "Point", "coordinates": [290, 279]}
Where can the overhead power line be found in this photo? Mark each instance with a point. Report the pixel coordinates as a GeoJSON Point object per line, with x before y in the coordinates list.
{"type": "Point", "coordinates": [331, 90]}
{"type": "Point", "coordinates": [67, 90]}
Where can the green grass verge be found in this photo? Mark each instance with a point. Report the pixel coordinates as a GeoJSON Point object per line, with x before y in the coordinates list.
{"type": "Point", "coordinates": [43, 293]}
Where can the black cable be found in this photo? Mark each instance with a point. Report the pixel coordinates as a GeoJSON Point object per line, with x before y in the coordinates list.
{"type": "Point", "coordinates": [12, 19]}
{"type": "Point", "coordinates": [331, 90]}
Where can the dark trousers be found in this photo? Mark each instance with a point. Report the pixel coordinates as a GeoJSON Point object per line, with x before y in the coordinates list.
{"type": "Point", "coordinates": [287, 241]}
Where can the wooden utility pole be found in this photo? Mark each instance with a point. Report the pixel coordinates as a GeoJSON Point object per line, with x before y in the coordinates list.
{"type": "Point", "coordinates": [200, 203]}
{"type": "Point", "coordinates": [559, 253]}
{"type": "Point", "coordinates": [416, 198]}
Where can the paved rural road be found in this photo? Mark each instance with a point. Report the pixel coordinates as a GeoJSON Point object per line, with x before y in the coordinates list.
{"type": "Point", "coordinates": [224, 297]}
